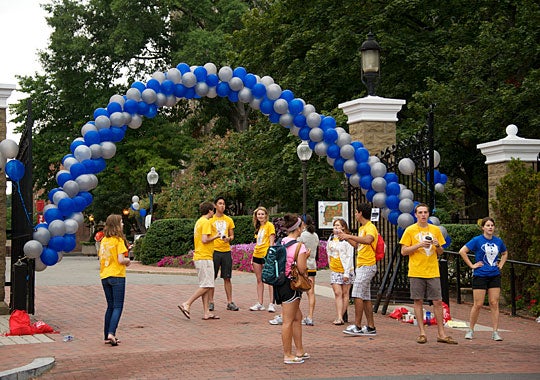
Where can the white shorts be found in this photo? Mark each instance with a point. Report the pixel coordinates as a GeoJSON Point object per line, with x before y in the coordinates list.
{"type": "Point", "coordinates": [337, 278]}
{"type": "Point", "coordinates": [205, 273]}
{"type": "Point", "coordinates": [362, 283]}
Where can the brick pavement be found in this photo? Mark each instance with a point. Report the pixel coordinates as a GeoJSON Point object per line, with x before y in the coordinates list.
{"type": "Point", "coordinates": [158, 342]}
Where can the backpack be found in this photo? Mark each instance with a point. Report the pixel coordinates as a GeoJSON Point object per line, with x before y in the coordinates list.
{"type": "Point", "coordinates": [380, 248]}
{"type": "Point", "coordinates": [273, 271]}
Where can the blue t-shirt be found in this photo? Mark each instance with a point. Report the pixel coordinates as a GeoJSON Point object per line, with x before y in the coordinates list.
{"type": "Point", "coordinates": [486, 251]}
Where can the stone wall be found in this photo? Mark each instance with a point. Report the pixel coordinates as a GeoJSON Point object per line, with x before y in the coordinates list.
{"type": "Point", "coordinates": [375, 135]}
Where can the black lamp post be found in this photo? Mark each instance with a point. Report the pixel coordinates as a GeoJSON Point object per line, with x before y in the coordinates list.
{"type": "Point", "coordinates": [304, 153]}
{"type": "Point", "coordinates": [371, 65]}
{"type": "Point", "coordinates": [152, 177]}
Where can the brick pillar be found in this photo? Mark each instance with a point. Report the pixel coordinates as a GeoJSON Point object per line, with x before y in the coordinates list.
{"type": "Point", "coordinates": [372, 121]}
{"type": "Point", "coordinates": [499, 153]}
{"type": "Point", "coordinates": [5, 92]}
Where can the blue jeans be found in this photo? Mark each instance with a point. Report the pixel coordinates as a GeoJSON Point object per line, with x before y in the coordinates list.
{"type": "Point", "coordinates": [115, 290]}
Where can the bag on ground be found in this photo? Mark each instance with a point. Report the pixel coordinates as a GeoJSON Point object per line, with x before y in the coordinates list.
{"type": "Point", "coordinates": [273, 271]}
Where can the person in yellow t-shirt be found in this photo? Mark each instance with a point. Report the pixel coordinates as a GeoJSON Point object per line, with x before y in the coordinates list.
{"type": "Point", "coordinates": [222, 251]}
{"type": "Point", "coordinates": [203, 237]}
{"type": "Point", "coordinates": [423, 242]}
{"type": "Point", "coordinates": [265, 233]}
{"type": "Point", "coordinates": [113, 260]}
{"type": "Point", "coordinates": [366, 269]}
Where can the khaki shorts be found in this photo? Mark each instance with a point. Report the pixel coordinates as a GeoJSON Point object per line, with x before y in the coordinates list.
{"type": "Point", "coordinates": [205, 273]}
{"type": "Point", "coordinates": [425, 288]}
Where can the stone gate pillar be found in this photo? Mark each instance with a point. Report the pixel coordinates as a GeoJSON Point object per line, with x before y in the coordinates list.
{"type": "Point", "coordinates": [499, 153]}
{"type": "Point", "coordinates": [372, 121]}
{"type": "Point", "coordinates": [5, 92]}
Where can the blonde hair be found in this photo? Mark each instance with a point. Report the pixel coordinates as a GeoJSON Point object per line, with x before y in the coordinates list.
{"type": "Point", "coordinates": [113, 226]}
{"type": "Point", "coordinates": [256, 222]}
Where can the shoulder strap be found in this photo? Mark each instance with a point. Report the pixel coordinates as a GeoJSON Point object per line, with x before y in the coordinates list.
{"type": "Point", "coordinates": [288, 244]}
{"type": "Point", "coordinates": [297, 250]}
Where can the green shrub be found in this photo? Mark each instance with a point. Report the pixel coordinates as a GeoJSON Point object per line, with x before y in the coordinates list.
{"type": "Point", "coordinates": [461, 234]}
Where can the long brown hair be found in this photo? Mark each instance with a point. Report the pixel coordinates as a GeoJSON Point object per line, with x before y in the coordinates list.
{"type": "Point", "coordinates": [113, 226]}
{"type": "Point", "coordinates": [256, 222]}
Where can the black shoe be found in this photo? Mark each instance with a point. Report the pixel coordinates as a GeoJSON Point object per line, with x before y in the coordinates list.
{"type": "Point", "coordinates": [211, 306]}
{"type": "Point", "coordinates": [232, 306]}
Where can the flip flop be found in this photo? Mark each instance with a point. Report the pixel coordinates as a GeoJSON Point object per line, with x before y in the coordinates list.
{"type": "Point", "coordinates": [211, 317]}
{"type": "Point", "coordinates": [447, 340]}
{"type": "Point", "coordinates": [184, 310]}
{"type": "Point", "coordinates": [421, 339]}
{"type": "Point", "coordinates": [296, 360]}
{"type": "Point", "coordinates": [304, 356]}
{"type": "Point", "coordinates": [338, 322]}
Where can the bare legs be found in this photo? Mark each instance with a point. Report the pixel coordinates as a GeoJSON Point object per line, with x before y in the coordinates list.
{"type": "Point", "coordinates": [311, 297]}
{"type": "Point", "coordinates": [341, 295]}
{"type": "Point", "coordinates": [291, 330]}
{"type": "Point", "coordinates": [478, 298]}
{"type": "Point", "coordinates": [257, 269]}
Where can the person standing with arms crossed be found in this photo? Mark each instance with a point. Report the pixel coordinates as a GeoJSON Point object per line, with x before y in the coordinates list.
{"type": "Point", "coordinates": [203, 237]}
{"type": "Point", "coordinates": [423, 242]}
{"type": "Point", "coordinates": [222, 252]}
{"type": "Point", "coordinates": [366, 268]}
{"type": "Point", "coordinates": [113, 260]}
{"type": "Point", "coordinates": [486, 274]}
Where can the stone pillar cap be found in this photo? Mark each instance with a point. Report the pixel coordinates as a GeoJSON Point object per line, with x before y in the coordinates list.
{"type": "Point", "coordinates": [372, 108]}
{"type": "Point", "coordinates": [5, 92]}
{"type": "Point", "coordinates": [512, 146]}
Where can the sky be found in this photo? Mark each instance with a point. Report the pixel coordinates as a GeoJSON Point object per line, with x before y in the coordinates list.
{"type": "Point", "coordinates": [23, 31]}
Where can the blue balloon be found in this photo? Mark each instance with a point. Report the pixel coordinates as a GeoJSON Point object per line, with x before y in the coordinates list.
{"type": "Point", "coordinates": [90, 166]}
{"type": "Point", "coordinates": [190, 93]}
{"type": "Point", "coordinates": [52, 192]}
{"type": "Point", "coordinates": [91, 137]}
{"type": "Point", "coordinates": [77, 169]}
{"type": "Point", "coordinates": [167, 87]}
{"type": "Point", "coordinates": [370, 194]}
{"type": "Point", "coordinates": [56, 243]}
{"type": "Point", "coordinates": [361, 155]}
{"type": "Point", "coordinates": [79, 203]}
{"type": "Point", "coordinates": [392, 202]}
{"type": "Point", "coordinates": [274, 117]}
{"type": "Point", "coordinates": [52, 214]}
{"type": "Point", "coordinates": [267, 106]}
{"type": "Point", "coordinates": [212, 80]}
{"type": "Point", "coordinates": [300, 121]}
{"type": "Point", "coordinates": [180, 90]}
{"type": "Point", "coordinates": [63, 178]}
{"type": "Point", "coordinates": [312, 144]}
{"type": "Point", "coordinates": [139, 86]}
{"type": "Point", "coordinates": [328, 122]}
{"type": "Point", "coordinates": [249, 80]}
{"type": "Point", "coordinates": [142, 211]}
{"type": "Point", "coordinates": [338, 164]}
{"type": "Point", "coordinates": [99, 164]}
{"type": "Point", "coordinates": [363, 168]}
{"type": "Point", "coordinates": [49, 256]}
{"type": "Point", "coordinates": [391, 177]}
{"type": "Point", "coordinates": [393, 188]}
{"type": "Point", "coordinates": [130, 106]}
{"type": "Point", "coordinates": [75, 144]}
{"type": "Point", "coordinates": [288, 95]}
{"type": "Point", "coordinates": [393, 216]}
{"type": "Point", "coordinates": [258, 90]}
{"type": "Point", "coordinates": [240, 72]}
{"type": "Point", "coordinates": [333, 151]}
{"type": "Point", "coordinates": [295, 106]}
{"type": "Point", "coordinates": [154, 85]}
{"type": "Point", "coordinates": [444, 179]}
{"type": "Point", "coordinates": [14, 169]}
{"type": "Point", "coordinates": [357, 145]}
{"type": "Point", "coordinates": [223, 89]}
{"type": "Point", "coordinates": [100, 112]}
{"type": "Point", "coordinates": [183, 68]}
{"type": "Point", "coordinates": [400, 231]}
{"type": "Point", "coordinates": [142, 108]}
{"type": "Point", "coordinates": [152, 111]}
{"type": "Point", "coordinates": [113, 107]}
{"type": "Point", "coordinates": [448, 240]}
{"type": "Point", "coordinates": [69, 243]}
{"type": "Point", "coordinates": [303, 133]}
{"type": "Point", "coordinates": [89, 198]}
{"type": "Point", "coordinates": [105, 134]}
{"type": "Point", "coordinates": [330, 135]}
{"type": "Point", "coordinates": [365, 182]}
{"type": "Point", "coordinates": [66, 206]}
{"type": "Point", "coordinates": [233, 96]}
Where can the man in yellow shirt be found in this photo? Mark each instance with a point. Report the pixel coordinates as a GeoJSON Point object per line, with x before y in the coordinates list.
{"type": "Point", "coordinates": [423, 242]}
{"type": "Point", "coordinates": [203, 237]}
{"type": "Point", "coordinates": [366, 268]}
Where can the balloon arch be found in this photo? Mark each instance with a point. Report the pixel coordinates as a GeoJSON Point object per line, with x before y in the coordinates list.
{"type": "Point", "coordinates": [99, 137]}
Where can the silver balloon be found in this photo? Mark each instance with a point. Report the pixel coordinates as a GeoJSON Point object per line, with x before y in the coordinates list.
{"type": "Point", "coordinates": [174, 75]}
{"type": "Point", "coordinates": [286, 120]}
{"type": "Point", "coordinates": [350, 166]}
{"type": "Point", "coordinates": [378, 184]}
{"type": "Point", "coordinates": [281, 106]}
{"type": "Point", "coordinates": [308, 108]}
{"type": "Point", "coordinates": [378, 169]}
{"type": "Point", "coordinates": [320, 148]}
{"type": "Point", "coordinates": [354, 179]}
{"type": "Point", "coordinates": [9, 148]}
{"type": "Point", "coordinates": [96, 150]}
{"type": "Point", "coordinates": [273, 91]}
{"type": "Point", "coordinates": [373, 160]}
{"type": "Point", "coordinates": [161, 100]}
{"type": "Point", "coordinates": [78, 217]}
{"type": "Point", "coordinates": [71, 226]}
{"type": "Point", "coordinates": [245, 95]}
{"type": "Point", "coordinates": [444, 232]}
{"type": "Point", "coordinates": [201, 89]}
{"type": "Point", "coordinates": [439, 188]}
{"type": "Point", "coordinates": [255, 104]}
{"type": "Point", "coordinates": [117, 99]}
{"type": "Point", "coordinates": [436, 159]}
{"type": "Point", "coordinates": [108, 149]}
{"type": "Point", "coordinates": [316, 135]}
{"type": "Point", "coordinates": [149, 96]}
{"type": "Point", "coordinates": [69, 161]}
{"type": "Point", "coordinates": [210, 68]}
{"type": "Point", "coordinates": [405, 220]}
{"type": "Point", "coordinates": [135, 206]}
{"type": "Point", "coordinates": [134, 94]}
{"type": "Point", "coordinates": [159, 76]}
{"type": "Point", "coordinates": [343, 139]}
{"type": "Point", "coordinates": [58, 196]}
{"type": "Point", "coordinates": [71, 188]}
{"type": "Point", "coordinates": [39, 266]}
{"type": "Point", "coordinates": [379, 200]}
{"type": "Point", "coordinates": [57, 228]}
{"type": "Point", "coordinates": [313, 120]}
{"type": "Point", "coordinates": [225, 74]}
{"type": "Point", "coordinates": [330, 161]}
{"type": "Point", "coordinates": [267, 80]}
{"type": "Point", "coordinates": [88, 127]}
{"type": "Point", "coordinates": [406, 205]}
{"type": "Point", "coordinates": [293, 128]}
{"type": "Point", "coordinates": [32, 249]}
{"type": "Point", "coordinates": [434, 220]}
{"type": "Point", "coordinates": [134, 199]}
{"type": "Point", "coordinates": [236, 84]}
{"type": "Point", "coordinates": [406, 166]}
{"type": "Point", "coordinates": [42, 235]}
{"type": "Point", "coordinates": [385, 212]}
{"type": "Point", "coordinates": [171, 100]}
{"type": "Point", "coordinates": [117, 119]}
{"type": "Point", "coordinates": [347, 152]}
{"type": "Point", "coordinates": [136, 121]}
{"type": "Point", "coordinates": [189, 79]}
{"type": "Point", "coordinates": [82, 152]}
{"type": "Point", "coordinates": [49, 206]}
{"type": "Point", "coordinates": [102, 122]}
{"type": "Point", "coordinates": [212, 93]}
{"type": "Point", "coordinates": [406, 194]}
{"type": "Point", "coordinates": [85, 182]}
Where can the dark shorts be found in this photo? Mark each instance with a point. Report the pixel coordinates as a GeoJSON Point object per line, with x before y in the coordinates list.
{"type": "Point", "coordinates": [223, 260]}
{"type": "Point", "coordinates": [258, 260]}
{"type": "Point", "coordinates": [486, 282]}
{"type": "Point", "coordinates": [312, 272]}
{"type": "Point", "coordinates": [284, 293]}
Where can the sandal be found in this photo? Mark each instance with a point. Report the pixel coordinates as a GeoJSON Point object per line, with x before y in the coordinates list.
{"type": "Point", "coordinates": [338, 322]}
{"type": "Point", "coordinates": [447, 340]}
{"type": "Point", "coordinates": [421, 339]}
{"type": "Point", "coordinates": [295, 360]}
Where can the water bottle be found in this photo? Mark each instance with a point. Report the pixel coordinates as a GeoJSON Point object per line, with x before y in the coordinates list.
{"type": "Point", "coordinates": [428, 318]}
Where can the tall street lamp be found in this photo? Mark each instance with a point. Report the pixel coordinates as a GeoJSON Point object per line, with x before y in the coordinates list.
{"type": "Point", "coordinates": [152, 177]}
{"type": "Point", "coordinates": [371, 65]}
{"type": "Point", "coordinates": [304, 153]}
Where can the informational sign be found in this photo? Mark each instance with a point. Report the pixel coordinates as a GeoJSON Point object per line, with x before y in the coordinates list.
{"type": "Point", "coordinates": [328, 211]}
{"type": "Point", "coordinates": [375, 214]}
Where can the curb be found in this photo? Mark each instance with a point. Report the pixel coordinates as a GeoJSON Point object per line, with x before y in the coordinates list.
{"type": "Point", "coordinates": [29, 371]}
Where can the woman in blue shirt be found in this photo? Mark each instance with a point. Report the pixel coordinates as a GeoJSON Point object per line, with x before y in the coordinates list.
{"type": "Point", "coordinates": [486, 273]}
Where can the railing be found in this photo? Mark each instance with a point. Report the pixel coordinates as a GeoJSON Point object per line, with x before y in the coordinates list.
{"type": "Point", "coordinates": [512, 264]}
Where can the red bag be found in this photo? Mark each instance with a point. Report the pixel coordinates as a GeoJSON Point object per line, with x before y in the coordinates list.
{"type": "Point", "coordinates": [380, 248]}
{"type": "Point", "coordinates": [398, 312]}
{"type": "Point", "coordinates": [446, 313]}
{"type": "Point", "coordinates": [19, 323]}
{"type": "Point", "coordinates": [41, 327]}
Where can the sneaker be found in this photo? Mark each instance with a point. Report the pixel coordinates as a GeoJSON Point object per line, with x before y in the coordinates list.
{"type": "Point", "coordinates": [257, 307]}
{"type": "Point", "coordinates": [366, 330]}
{"type": "Point", "coordinates": [469, 334]}
{"type": "Point", "coordinates": [276, 321]}
{"type": "Point", "coordinates": [232, 306]}
{"type": "Point", "coordinates": [271, 308]}
{"type": "Point", "coordinates": [352, 330]}
{"type": "Point", "coordinates": [307, 321]}
{"type": "Point", "coordinates": [496, 337]}
{"type": "Point", "coordinates": [211, 306]}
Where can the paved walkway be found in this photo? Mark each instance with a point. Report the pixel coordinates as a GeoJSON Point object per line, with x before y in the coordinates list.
{"type": "Point", "coordinates": [158, 342]}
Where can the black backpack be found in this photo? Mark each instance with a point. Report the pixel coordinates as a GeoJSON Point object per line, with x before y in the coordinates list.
{"type": "Point", "coordinates": [273, 271]}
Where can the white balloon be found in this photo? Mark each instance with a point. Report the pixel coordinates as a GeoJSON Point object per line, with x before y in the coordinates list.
{"type": "Point", "coordinates": [61, 172]}
{"type": "Point", "coordinates": [316, 134]}
{"type": "Point", "coordinates": [320, 148]}
{"type": "Point", "coordinates": [379, 200]}
{"type": "Point", "coordinates": [32, 249]}
{"type": "Point", "coordinates": [49, 206]}
{"type": "Point", "coordinates": [255, 103]}
{"type": "Point", "coordinates": [281, 106]}
{"type": "Point", "coordinates": [313, 120]}
{"type": "Point", "coordinates": [201, 89]}
{"type": "Point", "coordinates": [350, 166]}
{"type": "Point", "coordinates": [293, 128]}
{"type": "Point", "coordinates": [354, 179]}
{"type": "Point", "coordinates": [71, 226]}
{"type": "Point", "coordinates": [117, 99]}
{"type": "Point", "coordinates": [159, 76]}
{"type": "Point", "coordinates": [347, 152]}
{"type": "Point", "coordinates": [343, 139]}
{"type": "Point", "coordinates": [85, 182]}
{"type": "Point", "coordinates": [102, 122]}
{"type": "Point", "coordinates": [174, 75]}
{"type": "Point", "coordinates": [189, 79]}
{"type": "Point", "coordinates": [378, 184]}
{"type": "Point", "coordinates": [385, 212]}
{"type": "Point", "coordinates": [58, 196]}
{"type": "Point", "coordinates": [149, 96]}
{"type": "Point", "coordinates": [444, 232]}
{"type": "Point", "coordinates": [9, 148]}
{"type": "Point", "coordinates": [78, 217]}
{"type": "Point", "coordinates": [42, 235]}
{"type": "Point", "coordinates": [245, 95]}
{"type": "Point", "coordinates": [267, 80]}
{"type": "Point", "coordinates": [236, 84]}
{"type": "Point", "coordinates": [117, 119]}
{"type": "Point", "coordinates": [171, 99]}
{"type": "Point", "coordinates": [57, 228]}
{"type": "Point", "coordinates": [135, 205]}
{"type": "Point", "coordinates": [71, 188]}
{"type": "Point", "coordinates": [82, 152]}
{"type": "Point", "coordinates": [434, 220]}
{"type": "Point", "coordinates": [308, 108]}
{"type": "Point", "coordinates": [330, 161]}
{"type": "Point", "coordinates": [135, 199]}
{"type": "Point", "coordinates": [286, 120]}
{"type": "Point", "coordinates": [88, 127]}
{"type": "Point", "coordinates": [210, 68]}
{"type": "Point", "coordinates": [436, 159]}
{"type": "Point", "coordinates": [108, 149]}
{"type": "Point", "coordinates": [39, 266]}
{"type": "Point", "coordinates": [406, 205]}
{"type": "Point", "coordinates": [273, 91]}
{"type": "Point", "coordinates": [406, 194]}
{"type": "Point", "coordinates": [96, 150]}
{"type": "Point", "coordinates": [225, 74]}
{"type": "Point", "coordinates": [212, 93]}
{"type": "Point", "coordinates": [136, 122]}
{"type": "Point", "coordinates": [378, 169]}
{"type": "Point", "coordinates": [373, 160]}
{"type": "Point", "coordinates": [405, 220]}
{"type": "Point", "coordinates": [161, 99]}
{"type": "Point", "coordinates": [406, 166]}
{"type": "Point", "coordinates": [439, 188]}
{"type": "Point", "coordinates": [134, 94]}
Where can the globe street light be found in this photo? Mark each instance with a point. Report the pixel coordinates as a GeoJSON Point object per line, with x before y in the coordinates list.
{"type": "Point", "coordinates": [152, 177]}
{"type": "Point", "coordinates": [371, 66]}
{"type": "Point", "coordinates": [304, 153]}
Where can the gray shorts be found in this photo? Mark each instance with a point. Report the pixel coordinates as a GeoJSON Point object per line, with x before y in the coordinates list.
{"type": "Point", "coordinates": [425, 288]}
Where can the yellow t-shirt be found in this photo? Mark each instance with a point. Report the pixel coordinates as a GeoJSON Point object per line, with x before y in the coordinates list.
{"type": "Point", "coordinates": [109, 249]}
{"type": "Point", "coordinates": [423, 262]}
{"type": "Point", "coordinates": [334, 261]}
{"type": "Point", "coordinates": [203, 251]}
{"type": "Point", "coordinates": [365, 255]}
{"type": "Point", "coordinates": [263, 239]}
{"type": "Point", "coordinates": [222, 225]}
